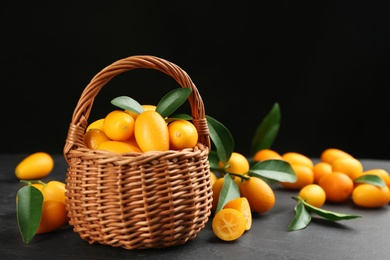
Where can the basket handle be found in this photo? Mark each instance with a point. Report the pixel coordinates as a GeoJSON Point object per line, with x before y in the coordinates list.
{"type": "Point", "coordinates": [83, 108]}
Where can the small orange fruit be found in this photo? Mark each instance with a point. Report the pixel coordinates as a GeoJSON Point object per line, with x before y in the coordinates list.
{"type": "Point", "coordinates": [182, 134]}
{"type": "Point", "coordinates": [313, 194]}
{"type": "Point", "coordinates": [35, 166]}
{"type": "Point", "coordinates": [94, 137]}
{"type": "Point", "coordinates": [213, 178]}
{"type": "Point", "coordinates": [54, 190]}
{"type": "Point", "coordinates": [242, 205]}
{"type": "Point", "coordinates": [330, 154]}
{"type": "Point", "coordinates": [370, 196]}
{"type": "Point", "coordinates": [260, 195]}
{"type": "Point", "coordinates": [145, 107]}
{"type": "Point", "coordinates": [133, 142]}
{"type": "Point", "coordinates": [39, 186]}
{"type": "Point", "coordinates": [348, 165]}
{"type": "Point", "coordinates": [151, 132]}
{"type": "Point", "coordinates": [118, 125]}
{"type": "Point", "coordinates": [297, 158]}
{"type": "Point", "coordinates": [266, 154]}
{"type": "Point", "coordinates": [118, 147]}
{"type": "Point", "coordinates": [216, 188]}
{"type": "Point", "coordinates": [54, 214]}
{"type": "Point", "coordinates": [319, 169]}
{"type": "Point", "coordinates": [337, 186]}
{"type": "Point", "coordinates": [387, 181]}
{"type": "Point", "coordinates": [237, 163]}
{"type": "Point", "coordinates": [228, 224]}
{"type": "Point", "coordinates": [382, 173]}
{"type": "Point", "coordinates": [305, 176]}
{"type": "Point", "coordinates": [238, 180]}
{"type": "Point", "coordinates": [97, 124]}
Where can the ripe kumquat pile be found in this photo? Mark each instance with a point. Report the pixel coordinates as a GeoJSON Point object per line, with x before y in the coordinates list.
{"type": "Point", "coordinates": [143, 128]}
{"type": "Point", "coordinates": [337, 178]}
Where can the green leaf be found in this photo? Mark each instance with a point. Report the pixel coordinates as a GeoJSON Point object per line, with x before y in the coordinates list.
{"type": "Point", "coordinates": [178, 117]}
{"type": "Point", "coordinates": [213, 159]}
{"type": "Point", "coordinates": [278, 170]}
{"type": "Point", "coordinates": [267, 131]}
{"type": "Point", "coordinates": [172, 101]}
{"type": "Point", "coordinates": [228, 192]}
{"type": "Point", "coordinates": [329, 215]}
{"type": "Point", "coordinates": [301, 219]}
{"type": "Point", "coordinates": [127, 103]}
{"type": "Point", "coordinates": [222, 139]}
{"type": "Point", "coordinates": [29, 211]}
{"type": "Point", "coordinates": [371, 179]}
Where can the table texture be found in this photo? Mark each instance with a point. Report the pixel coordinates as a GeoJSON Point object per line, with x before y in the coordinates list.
{"type": "Point", "coordinates": [361, 238]}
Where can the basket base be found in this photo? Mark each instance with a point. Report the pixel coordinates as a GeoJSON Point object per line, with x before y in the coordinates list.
{"type": "Point", "coordinates": [156, 202]}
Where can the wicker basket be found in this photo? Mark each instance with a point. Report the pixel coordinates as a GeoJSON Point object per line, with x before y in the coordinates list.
{"type": "Point", "coordinates": [137, 200]}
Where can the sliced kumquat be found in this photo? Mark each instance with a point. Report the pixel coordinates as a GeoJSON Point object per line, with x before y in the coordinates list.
{"type": "Point", "coordinates": [229, 224]}
{"type": "Point", "coordinates": [242, 205]}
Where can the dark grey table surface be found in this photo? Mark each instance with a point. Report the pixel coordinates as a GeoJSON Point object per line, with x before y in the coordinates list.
{"type": "Point", "coordinates": [363, 238]}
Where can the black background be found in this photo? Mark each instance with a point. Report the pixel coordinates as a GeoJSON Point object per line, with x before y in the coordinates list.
{"type": "Point", "coordinates": [326, 64]}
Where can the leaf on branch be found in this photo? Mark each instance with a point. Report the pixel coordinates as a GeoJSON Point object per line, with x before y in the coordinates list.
{"type": "Point", "coordinates": [178, 117]}
{"type": "Point", "coordinates": [301, 219]}
{"type": "Point", "coordinates": [370, 179]}
{"type": "Point", "coordinates": [213, 160]}
{"type": "Point", "coordinates": [278, 170]}
{"type": "Point", "coordinates": [267, 131]}
{"type": "Point", "coordinates": [127, 103]}
{"type": "Point", "coordinates": [326, 214]}
{"type": "Point", "coordinates": [222, 139]}
{"type": "Point", "coordinates": [29, 211]}
{"type": "Point", "coordinates": [228, 192]}
{"type": "Point", "coordinates": [172, 101]}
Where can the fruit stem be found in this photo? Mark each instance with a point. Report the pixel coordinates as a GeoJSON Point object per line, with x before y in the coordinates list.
{"type": "Point", "coordinates": [242, 176]}
{"type": "Point", "coordinates": [29, 182]}
{"type": "Point", "coordinates": [217, 169]}
{"type": "Point", "coordinates": [222, 171]}
{"type": "Point", "coordinates": [297, 198]}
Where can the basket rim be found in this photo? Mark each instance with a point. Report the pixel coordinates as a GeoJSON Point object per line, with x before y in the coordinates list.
{"type": "Point", "coordinates": [84, 105]}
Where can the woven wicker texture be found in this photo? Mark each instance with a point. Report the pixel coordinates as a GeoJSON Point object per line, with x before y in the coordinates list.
{"type": "Point", "coordinates": [137, 200]}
